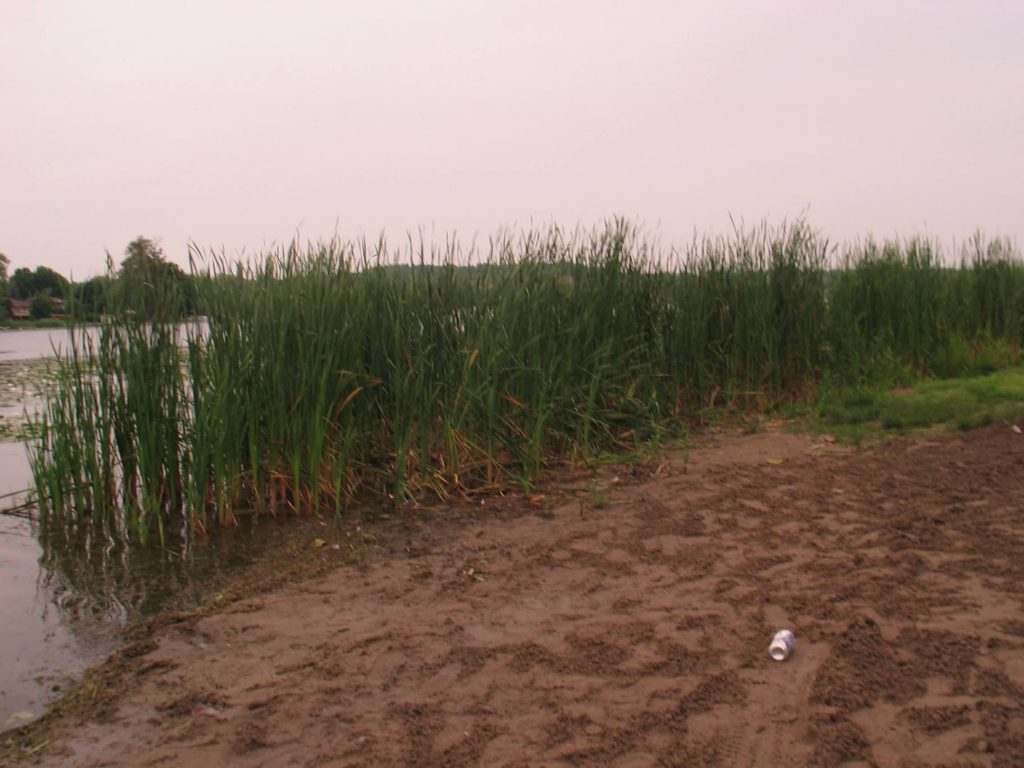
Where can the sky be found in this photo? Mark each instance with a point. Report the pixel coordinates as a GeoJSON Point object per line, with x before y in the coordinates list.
{"type": "Point", "coordinates": [238, 124]}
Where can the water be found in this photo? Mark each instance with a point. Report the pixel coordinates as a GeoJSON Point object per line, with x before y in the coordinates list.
{"type": "Point", "coordinates": [42, 649]}
{"type": "Point", "coordinates": [39, 647]}
{"type": "Point", "coordinates": [62, 608]}
{"type": "Point", "coordinates": [33, 343]}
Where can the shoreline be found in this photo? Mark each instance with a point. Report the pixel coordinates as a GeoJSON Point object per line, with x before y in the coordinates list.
{"type": "Point", "coordinates": [618, 620]}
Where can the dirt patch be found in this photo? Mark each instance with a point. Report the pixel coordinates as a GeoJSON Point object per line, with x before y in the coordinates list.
{"type": "Point", "coordinates": [628, 626]}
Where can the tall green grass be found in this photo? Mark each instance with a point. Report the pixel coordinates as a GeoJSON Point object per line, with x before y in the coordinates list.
{"type": "Point", "coordinates": [346, 369]}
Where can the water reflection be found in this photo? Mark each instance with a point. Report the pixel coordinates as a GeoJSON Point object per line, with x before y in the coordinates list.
{"type": "Point", "coordinates": [94, 577]}
{"type": "Point", "coordinates": [41, 648]}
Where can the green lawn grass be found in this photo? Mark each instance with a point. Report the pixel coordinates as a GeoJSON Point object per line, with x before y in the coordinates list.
{"type": "Point", "coordinates": [959, 403]}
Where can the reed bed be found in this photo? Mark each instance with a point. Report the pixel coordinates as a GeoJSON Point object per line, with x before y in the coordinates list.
{"type": "Point", "coordinates": [346, 369]}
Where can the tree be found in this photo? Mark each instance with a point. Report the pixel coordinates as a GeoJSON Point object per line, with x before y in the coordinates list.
{"type": "Point", "coordinates": [4, 263]}
{"type": "Point", "coordinates": [151, 286]}
{"type": "Point", "coordinates": [21, 283]}
{"type": "Point", "coordinates": [41, 306]}
{"type": "Point", "coordinates": [52, 283]}
{"type": "Point", "coordinates": [90, 298]}
{"type": "Point", "coordinates": [25, 283]}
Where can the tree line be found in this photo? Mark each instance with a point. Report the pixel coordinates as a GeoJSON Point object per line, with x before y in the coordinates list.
{"type": "Point", "coordinates": [144, 283]}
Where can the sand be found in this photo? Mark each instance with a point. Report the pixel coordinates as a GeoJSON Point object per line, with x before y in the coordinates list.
{"type": "Point", "coordinates": [625, 622]}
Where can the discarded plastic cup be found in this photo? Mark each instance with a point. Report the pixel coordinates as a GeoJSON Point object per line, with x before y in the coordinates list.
{"type": "Point", "coordinates": [782, 645]}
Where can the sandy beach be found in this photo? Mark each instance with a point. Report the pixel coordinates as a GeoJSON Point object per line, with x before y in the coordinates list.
{"type": "Point", "coordinates": [624, 621]}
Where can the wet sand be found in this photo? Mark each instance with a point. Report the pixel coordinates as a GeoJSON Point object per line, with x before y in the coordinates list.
{"type": "Point", "coordinates": [627, 624]}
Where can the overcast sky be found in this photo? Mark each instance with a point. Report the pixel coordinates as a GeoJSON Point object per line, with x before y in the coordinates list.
{"type": "Point", "coordinates": [238, 123]}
